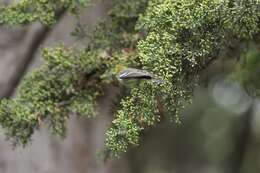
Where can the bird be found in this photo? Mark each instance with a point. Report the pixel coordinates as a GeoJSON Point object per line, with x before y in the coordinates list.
{"type": "Point", "coordinates": [138, 74]}
{"type": "Point", "coordinates": [132, 73]}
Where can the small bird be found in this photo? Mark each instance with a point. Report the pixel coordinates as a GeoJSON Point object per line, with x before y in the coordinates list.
{"type": "Point", "coordinates": [132, 73]}
{"type": "Point", "coordinates": [137, 74]}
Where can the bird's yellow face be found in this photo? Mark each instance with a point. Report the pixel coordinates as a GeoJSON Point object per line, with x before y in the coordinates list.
{"type": "Point", "coordinates": [119, 68]}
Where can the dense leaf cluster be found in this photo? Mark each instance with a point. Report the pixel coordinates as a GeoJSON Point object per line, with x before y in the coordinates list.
{"type": "Point", "coordinates": [45, 11]}
{"type": "Point", "coordinates": [175, 40]}
{"type": "Point", "coordinates": [182, 38]}
{"type": "Point", "coordinates": [50, 92]}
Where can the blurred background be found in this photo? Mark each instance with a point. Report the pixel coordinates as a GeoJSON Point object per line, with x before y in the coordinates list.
{"type": "Point", "coordinates": [220, 131]}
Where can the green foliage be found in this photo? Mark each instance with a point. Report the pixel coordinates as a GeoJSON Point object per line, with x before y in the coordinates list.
{"type": "Point", "coordinates": [50, 93]}
{"type": "Point", "coordinates": [15, 120]}
{"type": "Point", "coordinates": [175, 40]}
{"type": "Point", "coordinates": [244, 19]}
{"type": "Point", "coordinates": [182, 37]}
{"type": "Point", "coordinates": [247, 71]}
{"type": "Point", "coordinates": [139, 110]}
{"type": "Point", "coordinates": [128, 9]}
{"type": "Point", "coordinates": [45, 11]}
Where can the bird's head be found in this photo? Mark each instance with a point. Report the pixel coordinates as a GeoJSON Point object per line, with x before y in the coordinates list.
{"type": "Point", "coordinates": [119, 68]}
